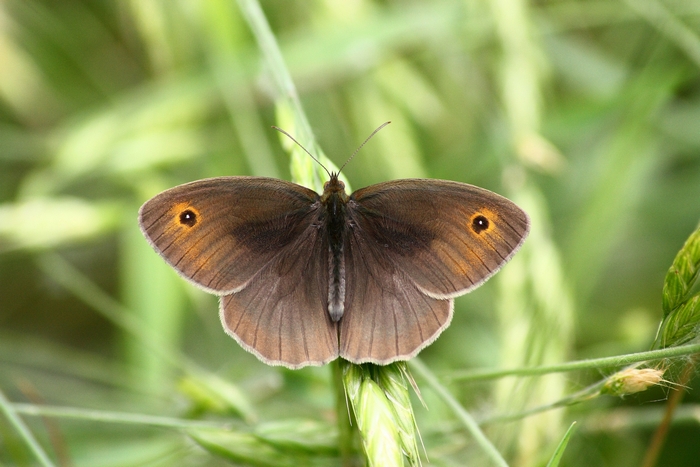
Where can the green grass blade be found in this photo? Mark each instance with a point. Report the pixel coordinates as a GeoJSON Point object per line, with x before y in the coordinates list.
{"type": "Point", "coordinates": [25, 433]}
{"type": "Point", "coordinates": [559, 452]}
{"type": "Point", "coordinates": [462, 415]}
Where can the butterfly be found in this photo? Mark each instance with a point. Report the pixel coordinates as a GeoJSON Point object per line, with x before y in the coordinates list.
{"type": "Point", "coordinates": [305, 278]}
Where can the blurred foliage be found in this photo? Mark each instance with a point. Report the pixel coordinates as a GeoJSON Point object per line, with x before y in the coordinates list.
{"type": "Point", "coordinates": [584, 112]}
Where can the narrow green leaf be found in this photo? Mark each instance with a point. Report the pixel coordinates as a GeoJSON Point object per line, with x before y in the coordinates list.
{"type": "Point", "coordinates": [461, 414]}
{"type": "Point", "coordinates": [240, 447]}
{"type": "Point", "coordinates": [50, 222]}
{"type": "Point", "coordinates": [215, 395]}
{"type": "Point", "coordinates": [19, 425]}
{"type": "Point", "coordinates": [250, 449]}
{"type": "Point", "coordinates": [559, 452]}
{"type": "Point", "coordinates": [300, 435]}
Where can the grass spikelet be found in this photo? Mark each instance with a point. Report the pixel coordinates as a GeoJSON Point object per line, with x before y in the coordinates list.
{"type": "Point", "coordinates": [380, 401]}
{"type": "Point", "coordinates": [393, 379]}
{"type": "Point", "coordinates": [632, 381]}
{"type": "Point", "coordinates": [682, 274]}
{"type": "Point", "coordinates": [378, 426]}
{"type": "Point", "coordinates": [681, 307]}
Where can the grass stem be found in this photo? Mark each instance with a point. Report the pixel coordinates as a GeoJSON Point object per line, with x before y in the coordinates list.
{"type": "Point", "coordinates": [588, 364]}
{"type": "Point", "coordinates": [10, 413]}
{"type": "Point", "coordinates": [465, 417]}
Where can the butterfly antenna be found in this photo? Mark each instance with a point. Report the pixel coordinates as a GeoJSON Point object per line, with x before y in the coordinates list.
{"type": "Point", "coordinates": [302, 147]}
{"type": "Point", "coordinates": [361, 145]}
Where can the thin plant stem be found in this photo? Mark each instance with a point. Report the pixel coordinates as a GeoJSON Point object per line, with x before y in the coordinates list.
{"type": "Point", "coordinates": [55, 437]}
{"type": "Point", "coordinates": [593, 363]}
{"type": "Point", "coordinates": [590, 392]}
{"type": "Point", "coordinates": [270, 50]}
{"type": "Point", "coordinates": [287, 95]}
{"type": "Point", "coordinates": [467, 420]}
{"type": "Point", "coordinates": [11, 413]}
{"type": "Point", "coordinates": [114, 417]}
{"type": "Point", "coordinates": [346, 433]}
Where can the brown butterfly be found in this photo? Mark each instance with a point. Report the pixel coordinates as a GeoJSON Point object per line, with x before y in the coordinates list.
{"type": "Point", "coordinates": [305, 278]}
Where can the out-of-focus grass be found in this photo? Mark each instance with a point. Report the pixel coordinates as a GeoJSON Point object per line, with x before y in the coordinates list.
{"type": "Point", "coordinates": [584, 112]}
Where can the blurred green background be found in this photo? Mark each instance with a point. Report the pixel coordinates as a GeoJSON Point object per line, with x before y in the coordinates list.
{"type": "Point", "coordinates": [586, 113]}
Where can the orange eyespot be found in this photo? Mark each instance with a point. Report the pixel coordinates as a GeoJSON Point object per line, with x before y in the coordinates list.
{"type": "Point", "coordinates": [185, 215]}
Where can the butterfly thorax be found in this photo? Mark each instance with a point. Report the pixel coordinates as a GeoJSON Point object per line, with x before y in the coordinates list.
{"type": "Point", "coordinates": [334, 201]}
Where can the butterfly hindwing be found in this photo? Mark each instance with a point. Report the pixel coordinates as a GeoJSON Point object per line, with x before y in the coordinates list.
{"type": "Point", "coordinates": [387, 318]}
{"type": "Point", "coordinates": [281, 315]}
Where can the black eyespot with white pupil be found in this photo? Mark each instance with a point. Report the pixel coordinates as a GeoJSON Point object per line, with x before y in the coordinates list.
{"type": "Point", "coordinates": [480, 223]}
{"type": "Point", "coordinates": [188, 218]}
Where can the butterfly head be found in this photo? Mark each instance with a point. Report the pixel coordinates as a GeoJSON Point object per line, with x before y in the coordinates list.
{"type": "Point", "coordinates": [334, 187]}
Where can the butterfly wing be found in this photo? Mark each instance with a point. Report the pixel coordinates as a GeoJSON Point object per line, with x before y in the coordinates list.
{"type": "Point", "coordinates": [254, 241]}
{"type": "Point", "coordinates": [413, 245]}
{"type": "Point", "coordinates": [219, 232]}
{"type": "Point", "coordinates": [281, 316]}
{"type": "Point", "coordinates": [387, 317]}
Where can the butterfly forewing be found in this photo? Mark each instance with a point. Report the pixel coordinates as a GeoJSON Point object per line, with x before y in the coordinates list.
{"type": "Point", "coordinates": [219, 232]}
{"type": "Point", "coordinates": [448, 237]}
